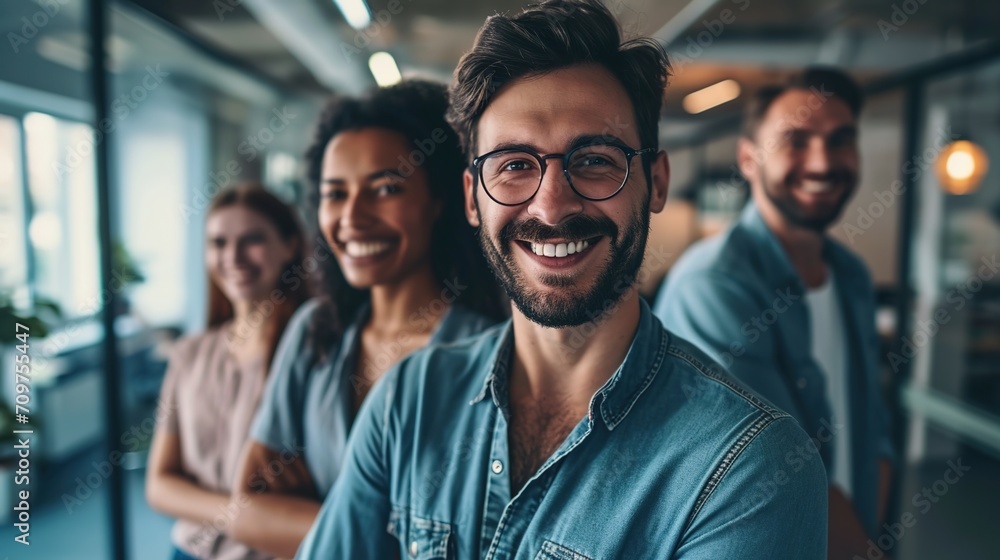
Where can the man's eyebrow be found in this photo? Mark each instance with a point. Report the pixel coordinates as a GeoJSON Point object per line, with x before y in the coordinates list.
{"type": "Point", "coordinates": [846, 129]}
{"type": "Point", "coordinates": [513, 146]}
{"type": "Point", "coordinates": [576, 142]}
{"type": "Point", "coordinates": [590, 139]}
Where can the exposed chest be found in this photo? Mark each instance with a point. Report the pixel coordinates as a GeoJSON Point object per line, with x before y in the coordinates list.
{"type": "Point", "coordinates": [534, 434]}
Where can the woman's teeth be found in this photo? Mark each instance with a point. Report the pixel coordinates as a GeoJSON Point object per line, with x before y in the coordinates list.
{"type": "Point", "coordinates": [559, 250]}
{"type": "Point", "coordinates": [365, 248]}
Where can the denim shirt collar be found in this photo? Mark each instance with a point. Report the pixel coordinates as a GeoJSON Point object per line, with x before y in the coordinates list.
{"type": "Point", "coordinates": [645, 357]}
{"type": "Point", "coordinates": [775, 259]}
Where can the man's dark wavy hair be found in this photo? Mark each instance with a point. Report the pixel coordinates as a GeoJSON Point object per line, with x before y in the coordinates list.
{"type": "Point", "coordinates": [549, 36]}
{"type": "Point", "coordinates": [415, 109]}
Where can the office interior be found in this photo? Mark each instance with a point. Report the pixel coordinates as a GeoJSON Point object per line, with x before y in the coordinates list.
{"type": "Point", "coordinates": [104, 185]}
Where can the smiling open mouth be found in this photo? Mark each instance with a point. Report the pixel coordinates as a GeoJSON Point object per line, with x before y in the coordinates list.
{"type": "Point", "coordinates": [366, 248]}
{"type": "Point", "coordinates": [559, 249]}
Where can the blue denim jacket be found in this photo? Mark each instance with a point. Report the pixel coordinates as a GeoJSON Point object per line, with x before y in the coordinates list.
{"type": "Point", "coordinates": [675, 459]}
{"type": "Point", "coordinates": [738, 297]}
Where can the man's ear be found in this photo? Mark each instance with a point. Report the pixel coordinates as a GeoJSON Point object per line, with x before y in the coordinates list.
{"type": "Point", "coordinates": [469, 186]}
{"type": "Point", "coordinates": [746, 156]}
{"type": "Point", "coordinates": [661, 182]}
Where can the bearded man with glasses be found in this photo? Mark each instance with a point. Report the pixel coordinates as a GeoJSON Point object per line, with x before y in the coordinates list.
{"type": "Point", "coordinates": [580, 428]}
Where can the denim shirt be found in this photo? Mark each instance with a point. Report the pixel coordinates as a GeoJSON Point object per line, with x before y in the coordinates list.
{"type": "Point", "coordinates": [675, 459]}
{"type": "Point", "coordinates": [738, 297]}
{"type": "Point", "coordinates": [309, 401]}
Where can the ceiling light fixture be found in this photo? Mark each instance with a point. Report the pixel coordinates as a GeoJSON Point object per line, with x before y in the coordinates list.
{"type": "Point", "coordinates": [384, 68]}
{"type": "Point", "coordinates": [356, 12]}
{"type": "Point", "coordinates": [712, 96]}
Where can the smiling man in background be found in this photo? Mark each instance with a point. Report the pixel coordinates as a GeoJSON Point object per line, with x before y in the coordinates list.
{"type": "Point", "coordinates": [580, 428]}
{"type": "Point", "coordinates": [788, 310]}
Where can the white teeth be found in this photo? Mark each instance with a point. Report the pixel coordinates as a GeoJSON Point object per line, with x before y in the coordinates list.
{"type": "Point", "coordinates": [814, 187]}
{"type": "Point", "coordinates": [365, 248]}
{"type": "Point", "coordinates": [558, 250]}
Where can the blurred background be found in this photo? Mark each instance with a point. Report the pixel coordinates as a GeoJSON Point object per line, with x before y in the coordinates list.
{"type": "Point", "coordinates": [104, 186]}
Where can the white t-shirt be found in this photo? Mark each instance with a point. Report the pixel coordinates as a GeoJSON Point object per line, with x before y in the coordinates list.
{"type": "Point", "coordinates": [829, 349]}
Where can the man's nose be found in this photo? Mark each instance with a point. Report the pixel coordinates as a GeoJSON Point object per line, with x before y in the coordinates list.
{"type": "Point", "coordinates": [817, 157]}
{"type": "Point", "coordinates": [555, 200]}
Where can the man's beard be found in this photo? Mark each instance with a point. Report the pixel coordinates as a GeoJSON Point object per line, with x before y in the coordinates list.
{"type": "Point", "coordinates": [570, 306]}
{"type": "Point", "coordinates": [786, 204]}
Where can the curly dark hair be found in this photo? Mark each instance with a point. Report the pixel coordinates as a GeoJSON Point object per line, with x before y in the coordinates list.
{"type": "Point", "coordinates": [548, 36]}
{"type": "Point", "coordinates": [415, 109]}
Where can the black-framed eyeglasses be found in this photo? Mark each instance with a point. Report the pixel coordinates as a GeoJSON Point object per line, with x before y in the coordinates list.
{"type": "Point", "coordinates": [512, 176]}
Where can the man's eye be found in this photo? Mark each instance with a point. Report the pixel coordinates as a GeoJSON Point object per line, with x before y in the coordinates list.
{"type": "Point", "coordinates": [334, 195]}
{"type": "Point", "coordinates": [516, 165]}
{"type": "Point", "coordinates": [590, 161]}
{"type": "Point", "coordinates": [388, 189]}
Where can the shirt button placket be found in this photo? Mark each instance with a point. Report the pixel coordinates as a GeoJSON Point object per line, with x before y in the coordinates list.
{"type": "Point", "coordinates": [497, 466]}
{"type": "Point", "coordinates": [414, 548]}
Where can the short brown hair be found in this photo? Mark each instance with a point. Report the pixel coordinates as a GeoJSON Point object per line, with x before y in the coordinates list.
{"type": "Point", "coordinates": [548, 36]}
{"type": "Point", "coordinates": [825, 80]}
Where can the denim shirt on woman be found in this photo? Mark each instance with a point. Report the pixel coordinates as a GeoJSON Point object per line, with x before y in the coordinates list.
{"type": "Point", "coordinates": [308, 404]}
{"type": "Point", "coordinates": [662, 466]}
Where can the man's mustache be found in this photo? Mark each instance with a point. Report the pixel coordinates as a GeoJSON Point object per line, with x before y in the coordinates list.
{"type": "Point", "coordinates": [577, 227]}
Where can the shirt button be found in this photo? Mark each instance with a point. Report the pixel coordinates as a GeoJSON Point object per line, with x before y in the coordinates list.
{"type": "Point", "coordinates": [413, 548]}
{"type": "Point", "coordinates": [802, 383]}
{"type": "Point", "coordinates": [497, 467]}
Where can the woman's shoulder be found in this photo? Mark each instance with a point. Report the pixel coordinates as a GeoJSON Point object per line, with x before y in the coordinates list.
{"type": "Point", "coordinates": [462, 322]}
{"type": "Point", "coordinates": [304, 315]}
{"type": "Point", "coordinates": [191, 349]}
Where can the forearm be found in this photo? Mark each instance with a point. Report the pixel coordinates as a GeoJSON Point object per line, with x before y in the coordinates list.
{"type": "Point", "coordinates": [884, 488]}
{"type": "Point", "coordinates": [847, 537]}
{"type": "Point", "coordinates": [179, 497]}
{"type": "Point", "coordinates": [274, 523]}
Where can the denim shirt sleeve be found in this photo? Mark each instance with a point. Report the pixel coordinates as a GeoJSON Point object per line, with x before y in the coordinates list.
{"type": "Point", "coordinates": [355, 515]}
{"type": "Point", "coordinates": [278, 421]}
{"type": "Point", "coordinates": [715, 313]}
{"type": "Point", "coordinates": [766, 490]}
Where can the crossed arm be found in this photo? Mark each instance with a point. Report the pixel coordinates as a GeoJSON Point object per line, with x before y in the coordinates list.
{"type": "Point", "coordinates": [275, 500]}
